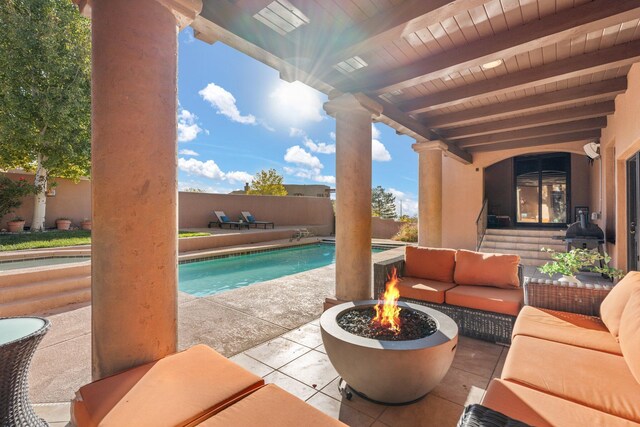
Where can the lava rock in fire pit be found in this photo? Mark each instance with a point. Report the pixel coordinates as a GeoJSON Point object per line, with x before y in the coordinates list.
{"type": "Point", "coordinates": [413, 325]}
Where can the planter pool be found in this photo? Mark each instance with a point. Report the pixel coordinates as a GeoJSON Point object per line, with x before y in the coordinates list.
{"type": "Point", "coordinates": [209, 277]}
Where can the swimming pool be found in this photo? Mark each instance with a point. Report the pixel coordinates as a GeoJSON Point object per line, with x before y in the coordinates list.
{"type": "Point", "coordinates": [39, 262]}
{"type": "Point", "coordinates": [204, 278]}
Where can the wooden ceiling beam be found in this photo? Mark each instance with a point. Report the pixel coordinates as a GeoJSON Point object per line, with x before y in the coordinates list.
{"type": "Point", "coordinates": [584, 135]}
{"type": "Point", "coordinates": [398, 21]}
{"type": "Point", "coordinates": [576, 66]}
{"type": "Point", "coordinates": [605, 89]}
{"type": "Point", "coordinates": [555, 129]}
{"type": "Point", "coordinates": [549, 30]}
{"type": "Point", "coordinates": [545, 118]}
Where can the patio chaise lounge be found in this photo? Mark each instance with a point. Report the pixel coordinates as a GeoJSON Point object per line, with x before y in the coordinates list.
{"type": "Point", "coordinates": [568, 369]}
{"type": "Point", "coordinates": [223, 219]}
{"type": "Point", "coordinates": [196, 387]}
{"type": "Point", "coordinates": [252, 220]}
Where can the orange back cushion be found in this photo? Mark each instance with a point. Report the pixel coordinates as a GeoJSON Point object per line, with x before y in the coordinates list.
{"type": "Point", "coordinates": [630, 334]}
{"type": "Point", "coordinates": [430, 263]}
{"type": "Point", "coordinates": [613, 305]}
{"type": "Point", "coordinates": [475, 268]}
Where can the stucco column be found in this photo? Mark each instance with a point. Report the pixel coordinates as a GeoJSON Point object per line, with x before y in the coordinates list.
{"type": "Point", "coordinates": [353, 113]}
{"type": "Point", "coordinates": [134, 180]}
{"type": "Point", "coordinates": [429, 192]}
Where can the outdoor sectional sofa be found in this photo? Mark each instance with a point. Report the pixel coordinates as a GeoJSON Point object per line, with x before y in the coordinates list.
{"type": "Point", "coordinates": [481, 292]}
{"type": "Point", "coordinates": [196, 387]}
{"type": "Point", "coordinates": [568, 369]}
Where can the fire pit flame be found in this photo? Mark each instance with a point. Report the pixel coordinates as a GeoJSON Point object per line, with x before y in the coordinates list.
{"type": "Point", "coordinates": [387, 310]}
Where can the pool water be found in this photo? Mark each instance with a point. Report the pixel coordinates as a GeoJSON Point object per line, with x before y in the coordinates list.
{"type": "Point", "coordinates": [39, 262]}
{"type": "Point", "coordinates": [210, 277]}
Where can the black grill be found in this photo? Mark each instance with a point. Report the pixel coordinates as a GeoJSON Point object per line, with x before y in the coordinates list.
{"type": "Point", "coordinates": [583, 234]}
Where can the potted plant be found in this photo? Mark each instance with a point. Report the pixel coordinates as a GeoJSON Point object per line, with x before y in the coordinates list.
{"type": "Point", "coordinates": [569, 264]}
{"type": "Point", "coordinates": [86, 224]}
{"type": "Point", "coordinates": [16, 225]}
{"type": "Point", "coordinates": [11, 194]}
{"type": "Point", "coordinates": [63, 223]}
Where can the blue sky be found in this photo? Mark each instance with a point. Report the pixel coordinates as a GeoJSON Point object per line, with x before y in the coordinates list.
{"type": "Point", "coordinates": [236, 117]}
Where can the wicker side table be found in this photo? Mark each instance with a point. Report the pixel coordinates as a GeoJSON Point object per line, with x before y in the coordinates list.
{"type": "Point", "coordinates": [569, 297]}
{"type": "Point", "coordinates": [19, 337]}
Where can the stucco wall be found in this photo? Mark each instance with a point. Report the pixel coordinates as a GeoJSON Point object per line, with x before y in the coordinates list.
{"type": "Point", "coordinates": [384, 228]}
{"type": "Point", "coordinates": [194, 209]}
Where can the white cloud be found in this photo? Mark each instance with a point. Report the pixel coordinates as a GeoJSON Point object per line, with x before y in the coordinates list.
{"type": "Point", "coordinates": [209, 169]}
{"type": "Point", "coordinates": [187, 152]}
{"type": "Point", "coordinates": [225, 103]}
{"type": "Point", "coordinates": [300, 156]}
{"type": "Point", "coordinates": [408, 202]}
{"type": "Point", "coordinates": [332, 135]}
{"type": "Point", "coordinates": [294, 132]}
{"type": "Point", "coordinates": [188, 129]}
{"type": "Point", "coordinates": [297, 102]}
{"type": "Point", "coordinates": [312, 174]}
{"type": "Point", "coordinates": [375, 132]}
{"type": "Point", "coordinates": [320, 147]}
{"type": "Point", "coordinates": [379, 152]}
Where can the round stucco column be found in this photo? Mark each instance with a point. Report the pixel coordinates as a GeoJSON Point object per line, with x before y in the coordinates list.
{"type": "Point", "coordinates": [134, 183]}
{"type": "Point", "coordinates": [353, 113]}
{"type": "Point", "coordinates": [429, 193]}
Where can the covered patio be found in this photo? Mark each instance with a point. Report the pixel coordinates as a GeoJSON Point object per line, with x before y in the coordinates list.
{"type": "Point", "coordinates": [472, 81]}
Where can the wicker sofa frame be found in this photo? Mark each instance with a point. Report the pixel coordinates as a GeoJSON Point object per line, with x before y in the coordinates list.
{"type": "Point", "coordinates": [480, 324]}
{"type": "Point", "coordinates": [573, 298]}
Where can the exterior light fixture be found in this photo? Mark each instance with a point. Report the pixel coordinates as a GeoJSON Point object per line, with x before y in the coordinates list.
{"type": "Point", "coordinates": [492, 64]}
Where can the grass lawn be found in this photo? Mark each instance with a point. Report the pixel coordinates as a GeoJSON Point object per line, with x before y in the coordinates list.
{"type": "Point", "coordinates": [56, 239]}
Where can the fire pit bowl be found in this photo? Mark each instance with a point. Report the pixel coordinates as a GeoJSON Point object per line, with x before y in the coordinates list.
{"type": "Point", "coordinates": [389, 371]}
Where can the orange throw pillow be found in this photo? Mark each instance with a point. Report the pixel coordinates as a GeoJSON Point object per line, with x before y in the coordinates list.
{"type": "Point", "coordinates": [430, 263]}
{"type": "Point", "coordinates": [630, 334]}
{"type": "Point", "coordinates": [475, 268]}
{"type": "Point", "coordinates": [613, 305]}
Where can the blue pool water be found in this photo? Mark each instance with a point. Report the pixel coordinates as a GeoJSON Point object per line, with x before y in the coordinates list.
{"type": "Point", "coordinates": [210, 277]}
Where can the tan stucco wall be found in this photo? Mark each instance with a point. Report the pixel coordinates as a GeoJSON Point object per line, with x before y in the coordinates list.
{"type": "Point", "coordinates": [384, 228]}
{"type": "Point", "coordinates": [619, 141]}
{"type": "Point", "coordinates": [463, 193]}
{"type": "Point", "coordinates": [194, 209]}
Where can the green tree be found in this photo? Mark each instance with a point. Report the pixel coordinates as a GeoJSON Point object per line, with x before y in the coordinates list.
{"type": "Point", "coordinates": [45, 92]}
{"type": "Point", "coordinates": [267, 183]}
{"type": "Point", "coordinates": [383, 203]}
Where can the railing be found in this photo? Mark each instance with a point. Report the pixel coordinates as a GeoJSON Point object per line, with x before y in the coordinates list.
{"type": "Point", "coordinates": [481, 223]}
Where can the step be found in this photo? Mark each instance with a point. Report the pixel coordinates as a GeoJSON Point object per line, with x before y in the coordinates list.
{"type": "Point", "coordinates": [523, 253]}
{"type": "Point", "coordinates": [42, 289]}
{"type": "Point", "coordinates": [524, 232]}
{"type": "Point", "coordinates": [42, 304]}
{"type": "Point", "coordinates": [524, 239]}
{"type": "Point", "coordinates": [491, 244]}
{"type": "Point", "coordinates": [38, 274]}
{"type": "Point", "coordinates": [532, 261]}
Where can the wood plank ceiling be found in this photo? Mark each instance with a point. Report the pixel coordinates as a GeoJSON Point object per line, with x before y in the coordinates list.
{"type": "Point", "coordinates": [479, 75]}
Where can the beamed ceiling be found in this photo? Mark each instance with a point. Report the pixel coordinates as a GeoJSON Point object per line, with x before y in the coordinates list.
{"type": "Point", "coordinates": [478, 75]}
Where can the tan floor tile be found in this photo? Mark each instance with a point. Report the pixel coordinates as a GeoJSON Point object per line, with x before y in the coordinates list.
{"type": "Point", "coordinates": [54, 412]}
{"type": "Point", "coordinates": [344, 413]}
{"type": "Point", "coordinates": [251, 364]}
{"type": "Point", "coordinates": [315, 322]}
{"type": "Point", "coordinates": [321, 349]}
{"type": "Point", "coordinates": [432, 411]}
{"type": "Point", "coordinates": [313, 369]}
{"type": "Point", "coordinates": [307, 335]}
{"type": "Point", "coordinates": [372, 409]}
{"type": "Point", "coordinates": [461, 387]}
{"type": "Point", "coordinates": [477, 357]}
{"type": "Point", "coordinates": [294, 387]}
{"type": "Point", "coordinates": [379, 424]}
{"type": "Point", "coordinates": [497, 372]}
{"type": "Point", "coordinates": [277, 352]}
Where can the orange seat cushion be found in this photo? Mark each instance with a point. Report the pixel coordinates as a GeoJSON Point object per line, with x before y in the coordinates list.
{"type": "Point", "coordinates": [613, 305]}
{"type": "Point", "coordinates": [568, 328]}
{"type": "Point", "coordinates": [174, 391]}
{"type": "Point", "coordinates": [430, 263]}
{"type": "Point", "coordinates": [630, 334]}
{"type": "Point", "coordinates": [596, 379]}
{"type": "Point", "coordinates": [271, 406]}
{"type": "Point", "coordinates": [423, 289]}
{"type": "Point", "coordinates": [475, 268]}
{"type": "Point", "coordinates": [544, 410]}
{"type": "Point", "coordinates": [497, 300]}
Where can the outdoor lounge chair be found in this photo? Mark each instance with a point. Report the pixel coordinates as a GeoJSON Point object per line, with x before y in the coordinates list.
{"type": "Point", "coordinates": [224, 220]}
{"type": "Point", "coordinates": [252, 221]}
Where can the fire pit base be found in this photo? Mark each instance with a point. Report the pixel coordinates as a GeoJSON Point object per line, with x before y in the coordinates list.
{"type": "Point", "coordinates": [389, 372]}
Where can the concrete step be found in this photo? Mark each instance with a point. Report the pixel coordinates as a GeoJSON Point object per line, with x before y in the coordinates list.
{"type": "Point", "coordinates": [532, 262]}
{"type": "Point", "coordinates": [42, 304]}
{"type": "Point", "coordinates": [33, 275]}
{"type": "Point", "coordinates": [525, 232]}
{"type": "Point", "coordinates": [529, 246]}
{"type": "Point", "coordinates": [523, 253]}
{"type": "Point", "coordinates": [44, 288]}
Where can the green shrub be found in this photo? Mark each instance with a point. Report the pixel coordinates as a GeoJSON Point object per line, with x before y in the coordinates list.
{"type": "Point", "coordinates": [576, 260]}
{"type": "Point", "coordinates": [11, 194]}
{"type": "Point", "coordinates": [408, 232]}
